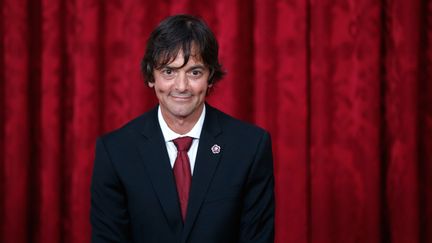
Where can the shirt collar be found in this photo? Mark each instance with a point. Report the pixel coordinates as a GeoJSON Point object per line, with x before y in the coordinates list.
{"type": "Point", "coordinates": [169, 134]}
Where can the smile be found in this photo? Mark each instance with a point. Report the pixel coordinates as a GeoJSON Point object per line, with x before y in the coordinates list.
{"type": "Point", "coordinates": [181, 96]}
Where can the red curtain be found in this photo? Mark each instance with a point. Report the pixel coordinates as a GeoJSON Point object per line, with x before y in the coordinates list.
{"type": "Point", "coordinates": [344, 87]}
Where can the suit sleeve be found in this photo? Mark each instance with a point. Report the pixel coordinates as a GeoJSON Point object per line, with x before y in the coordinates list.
{"type": "Point", "coordinates": [108, 213]}
{"type": "Point", "coordinates": [257, 221]}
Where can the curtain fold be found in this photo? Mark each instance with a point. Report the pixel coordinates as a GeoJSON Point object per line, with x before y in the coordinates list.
{"type": "Point", "coordinates": [344, 87]}
{"type": "Point", "coordinates": [346, 118]}
{"type": "Point", "coordinates": [16, 149]}
{"type": "Point", "coordinates": [401, 102]}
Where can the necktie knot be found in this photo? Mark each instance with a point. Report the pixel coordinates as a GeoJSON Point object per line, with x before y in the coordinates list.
{"type": "Point", "coordinates": [183, 143]}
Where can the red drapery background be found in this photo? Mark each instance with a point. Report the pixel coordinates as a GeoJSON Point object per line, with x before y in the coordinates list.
{"type": "Point", "coordinates": [344, 87]}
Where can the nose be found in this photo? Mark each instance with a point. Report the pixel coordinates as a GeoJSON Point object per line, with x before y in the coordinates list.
{"type": "Point", "coordinates": [181, 82]}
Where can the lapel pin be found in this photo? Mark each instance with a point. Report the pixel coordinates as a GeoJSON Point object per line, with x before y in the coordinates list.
{"type": "Point", "coordinates": [215, 149]}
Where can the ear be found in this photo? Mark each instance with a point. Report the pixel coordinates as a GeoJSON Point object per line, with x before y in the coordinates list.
{"type": "Point", "coordinates": [209, 89]}
{"type": "Point", "coordinates": [151, 84]}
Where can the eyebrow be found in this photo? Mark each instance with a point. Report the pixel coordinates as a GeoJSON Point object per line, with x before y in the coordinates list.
{"type": "Point", "coordinates": [197, 66]}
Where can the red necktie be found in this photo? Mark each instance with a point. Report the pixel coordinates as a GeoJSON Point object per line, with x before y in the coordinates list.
{"type": "Point", "coordinates": [182, 171]}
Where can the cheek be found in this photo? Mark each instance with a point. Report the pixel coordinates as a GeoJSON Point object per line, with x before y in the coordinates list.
{"type": "Point", "coordinates": [201, 88]}
{"type": "Point", "coordinates": [160, 94]}
{"type": "Point", "coordinates": [160, 89]}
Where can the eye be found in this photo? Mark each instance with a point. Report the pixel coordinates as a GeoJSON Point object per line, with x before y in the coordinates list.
{"type": "Point", "coordinates": [196, 73]}
{"type": "Point", "coordinates": [168, 73]}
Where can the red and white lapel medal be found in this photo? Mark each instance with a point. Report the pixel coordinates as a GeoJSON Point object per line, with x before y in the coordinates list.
{"type": "Point", "coordinates": [215, 149]}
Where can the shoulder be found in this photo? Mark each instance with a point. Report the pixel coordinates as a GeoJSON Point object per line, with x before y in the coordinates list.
{"type": "Point", "coordinates": [234, 127]}
{"type": "Point", "coordinates": [134, 126]}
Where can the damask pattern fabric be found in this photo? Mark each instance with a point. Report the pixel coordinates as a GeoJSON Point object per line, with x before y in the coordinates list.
{"type": "Point", "coordinates": [344, 87]}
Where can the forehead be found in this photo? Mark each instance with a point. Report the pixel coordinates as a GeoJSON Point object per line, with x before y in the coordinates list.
{"type": "Point", "coordinates": [180, 61]}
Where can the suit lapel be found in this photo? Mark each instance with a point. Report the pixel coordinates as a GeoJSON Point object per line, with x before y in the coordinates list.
{"type": "Point", "coordinates": [155, 157]}
{"type": "Point", "coordinates": [205, 166]}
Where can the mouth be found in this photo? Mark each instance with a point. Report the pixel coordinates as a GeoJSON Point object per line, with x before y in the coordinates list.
{"type": "Point", "coordinates": [181, 96]}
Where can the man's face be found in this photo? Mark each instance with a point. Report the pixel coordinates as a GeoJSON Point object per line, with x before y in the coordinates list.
{"type": "Point", "coordinates": [181, 91]}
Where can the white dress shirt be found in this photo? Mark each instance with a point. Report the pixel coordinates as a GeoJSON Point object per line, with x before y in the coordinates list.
{"type": "Point", "coordinates": [170, 135]}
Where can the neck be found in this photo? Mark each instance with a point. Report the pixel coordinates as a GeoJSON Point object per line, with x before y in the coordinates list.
{"type": "Point", "coordinates": [182, 125]}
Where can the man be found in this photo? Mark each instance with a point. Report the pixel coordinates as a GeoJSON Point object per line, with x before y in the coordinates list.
{"type": "Point", "coordinates": [184, 171]}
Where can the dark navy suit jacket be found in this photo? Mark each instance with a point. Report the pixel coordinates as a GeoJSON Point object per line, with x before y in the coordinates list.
{"type": "Point", "coordinates": [134, 197]}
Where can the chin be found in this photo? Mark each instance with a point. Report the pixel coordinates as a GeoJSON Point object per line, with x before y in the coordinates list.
{"type": "Point", "coordinates": [184, 114]}
{"type": "Point", "coordinates": [181, 112]}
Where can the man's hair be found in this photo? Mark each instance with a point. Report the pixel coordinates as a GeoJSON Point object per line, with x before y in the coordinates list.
{"type": "Point", "coordinates": [184, 33]}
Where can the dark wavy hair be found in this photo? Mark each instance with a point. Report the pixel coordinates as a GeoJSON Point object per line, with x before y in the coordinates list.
{"type": "Point", "coordinates": [181, 33]}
